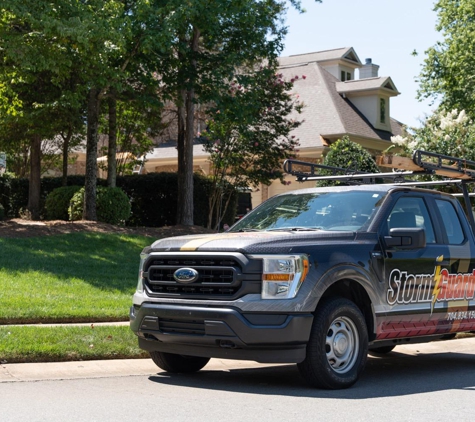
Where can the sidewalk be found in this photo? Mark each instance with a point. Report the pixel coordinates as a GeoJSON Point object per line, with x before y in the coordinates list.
{"type": "Point", "coordinates": [14, 372]}
{"type": "Point", "coordinates": [24, 372]}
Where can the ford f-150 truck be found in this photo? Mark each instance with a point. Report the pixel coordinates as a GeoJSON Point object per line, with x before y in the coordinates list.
{"type": "Point", "coordinates": [317, 277]}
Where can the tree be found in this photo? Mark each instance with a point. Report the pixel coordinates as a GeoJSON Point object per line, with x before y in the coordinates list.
{"type": "Point", "coordinates": [22, 130]}
{"type": "Point", "coordinates": [448, 71]}
{"type": "Point", "coordinates": [249, 135]}
{"type": "Point", "coordinates": [348, 155]}
{"type": "Point", "coordinates": [189, 50]}
{"type": "Point", "coordinates": [209, 44]}
{"type": "Point", "coordinates": [449, 133]}
{"type": "Point", "coordinates": [38, 69]}
{"type": "Point", "coordinates": [92, 44]}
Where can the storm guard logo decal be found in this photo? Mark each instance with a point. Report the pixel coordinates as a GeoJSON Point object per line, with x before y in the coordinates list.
{"type": "Point", "coordinates": [441, 286]}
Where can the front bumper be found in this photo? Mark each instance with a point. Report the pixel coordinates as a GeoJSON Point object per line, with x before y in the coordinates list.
{"type": "Point", "coordinates": [221, 332]}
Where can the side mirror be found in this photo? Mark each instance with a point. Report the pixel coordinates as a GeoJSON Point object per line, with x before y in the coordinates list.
{"type": "Point", "coordinates": [406, 238]}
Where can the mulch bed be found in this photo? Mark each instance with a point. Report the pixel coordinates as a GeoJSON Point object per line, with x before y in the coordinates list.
{"type": "Point", "coordinates": [18, 228]}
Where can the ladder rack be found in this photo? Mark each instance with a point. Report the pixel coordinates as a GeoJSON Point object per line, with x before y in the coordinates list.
{"type": "Point", "coordinates": [458, 171]}
{"type": "Point", "coordinates": [422, 162]}
{"type": "Point", "coordinates": [458, 168]}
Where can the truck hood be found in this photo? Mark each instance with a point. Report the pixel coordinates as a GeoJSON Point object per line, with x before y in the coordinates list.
{"type": "Point", "coordinates": [249, 242]}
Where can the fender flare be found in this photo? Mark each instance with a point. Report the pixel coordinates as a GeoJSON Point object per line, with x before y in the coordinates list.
{"type": "Point", "coordinates": [352, 272]}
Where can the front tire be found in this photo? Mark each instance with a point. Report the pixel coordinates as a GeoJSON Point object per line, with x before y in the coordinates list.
{"type": "Point", "coordinates": [173, 363]}
{"type": "Point", "coordinates": [338, 345]}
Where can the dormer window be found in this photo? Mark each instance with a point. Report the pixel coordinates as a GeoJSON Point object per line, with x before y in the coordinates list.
{"type": "Point", "coordinates": [345, 76]}
{"type": "Point", "coordinates": [382, 110]}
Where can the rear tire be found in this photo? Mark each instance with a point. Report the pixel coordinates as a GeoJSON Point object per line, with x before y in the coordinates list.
{"type": "Point", "coordinates": [338, 346]}
{"type": "Point", "coordinates": [170, 362]}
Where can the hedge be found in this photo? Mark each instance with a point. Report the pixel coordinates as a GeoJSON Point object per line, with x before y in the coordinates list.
{"type": "Point", "coordinates": [152, 197]}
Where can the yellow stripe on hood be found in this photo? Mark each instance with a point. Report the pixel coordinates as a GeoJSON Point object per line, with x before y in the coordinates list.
{"type": "Point", "coordinates": [194, 244]}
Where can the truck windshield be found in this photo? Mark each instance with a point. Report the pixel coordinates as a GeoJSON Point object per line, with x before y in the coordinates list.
{"type": "Point", "coordinates": [341, 211]}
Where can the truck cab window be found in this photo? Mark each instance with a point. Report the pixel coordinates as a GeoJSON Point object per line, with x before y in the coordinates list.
{"type": "Point", "coordinates": [451, 222]}
{"type": "Point", "coordinates": [411, 212]}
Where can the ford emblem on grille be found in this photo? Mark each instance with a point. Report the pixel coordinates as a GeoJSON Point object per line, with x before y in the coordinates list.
{"type": "Point", "coordinates": [185, 275]}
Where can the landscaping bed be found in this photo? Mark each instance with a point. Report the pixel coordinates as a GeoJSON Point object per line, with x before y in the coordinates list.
{"type": "Point", "coordinates": [16, 228]}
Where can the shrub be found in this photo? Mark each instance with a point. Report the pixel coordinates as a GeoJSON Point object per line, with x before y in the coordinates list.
{"type": "Point", "coordinates": [5, 193]}
{"type": "Point", "coordinates": [348, 155]}
{"type": "Point", "coordinates": [152, 197]}
{"type": "Point", "coordinates": [57, 202]}
{"type": "Point", "coordinates": [76, 205]}
{"type": "Point", "coordinates": [112, 205]}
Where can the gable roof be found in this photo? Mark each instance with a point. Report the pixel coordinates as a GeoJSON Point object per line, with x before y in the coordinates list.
{"type": "Point", "coordinates": [346, 54]}
{"type": "Point", "coordinates": [367, 84]}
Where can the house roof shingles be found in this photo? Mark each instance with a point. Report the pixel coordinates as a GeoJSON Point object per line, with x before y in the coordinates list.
{"type": "Point", "coordinates": [326, 112]}
{"type": "Point", "coordinates": [368, 84]}
{"type": "Point", "coordinates": [320, 56]}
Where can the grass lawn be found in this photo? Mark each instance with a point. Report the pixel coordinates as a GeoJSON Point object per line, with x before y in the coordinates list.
{"type": "Point", "coordinates": [68, 278]}
{"type": "Point", "coordinates": [76, 277]}
{"type": "Point", "coordinates": [56, 344]}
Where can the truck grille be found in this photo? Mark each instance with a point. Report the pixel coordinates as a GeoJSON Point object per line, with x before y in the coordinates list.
{"type": "Point", "coordinates": [177, 326]}
{"type": "Point", "coordinates": [210, 275]}
{"type": "Point", "coordinates": [217, 277]}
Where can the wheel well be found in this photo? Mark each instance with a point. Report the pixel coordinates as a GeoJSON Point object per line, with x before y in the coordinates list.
{"type": "Point", "coordinates": [352, 290]}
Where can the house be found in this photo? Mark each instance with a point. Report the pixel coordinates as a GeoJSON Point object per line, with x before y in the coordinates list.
{"type": "Point", "coordinates": [336, 103]}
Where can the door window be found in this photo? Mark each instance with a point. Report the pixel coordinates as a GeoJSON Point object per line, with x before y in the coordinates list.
{"type": "Point", "coordinates": [412, 212]}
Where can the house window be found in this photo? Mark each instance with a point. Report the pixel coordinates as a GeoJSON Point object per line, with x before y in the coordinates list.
{"type": "Point", "coordinates": [382, 110]}
{"type": "Point", "coordinates": [345, 76]}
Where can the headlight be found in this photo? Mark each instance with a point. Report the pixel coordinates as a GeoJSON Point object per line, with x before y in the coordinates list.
{"type": "Point", "coordinates": [143, 257]}
{"type": "Point", "coordinates": [282, 275]}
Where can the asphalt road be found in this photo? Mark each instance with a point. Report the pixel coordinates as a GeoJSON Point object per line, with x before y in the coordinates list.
{"type": "Point", "coordinates": [429, 382]}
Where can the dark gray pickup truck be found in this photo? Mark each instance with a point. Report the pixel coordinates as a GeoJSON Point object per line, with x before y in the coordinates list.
{"type": "Point", "coordinates": [316, 277]}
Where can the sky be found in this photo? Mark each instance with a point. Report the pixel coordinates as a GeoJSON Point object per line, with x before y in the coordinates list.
{"type": "Point", "coordinates": [387, 31]}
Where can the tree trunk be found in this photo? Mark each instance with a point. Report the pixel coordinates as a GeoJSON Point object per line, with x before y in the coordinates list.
{"type": "Point", "coordinates": [66, 140]}
{"type": "Point", "coordinates": [91, 155]}
{"type": "Point", "coordinates": [112, 148]}
{"type": "Point", "coordinates": [181, 156]}
{"type": "Point", "coordinates": [187, 198]}
{"type": "Point", "coordinates": [185, 148]}
{"type": "Point", "coordinates": [212, 205]}
{"type": "Point", "coordinates": [34, 189]}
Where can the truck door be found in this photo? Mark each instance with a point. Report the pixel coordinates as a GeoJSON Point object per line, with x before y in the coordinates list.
{"type": "Point", "coordinates": [454, 293]}
{"type": "Point", "coordinates": [413, 274]}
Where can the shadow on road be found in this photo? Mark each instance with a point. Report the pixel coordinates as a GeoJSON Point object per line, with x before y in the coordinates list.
{"type": "Point", "coordinates": [395, 374]}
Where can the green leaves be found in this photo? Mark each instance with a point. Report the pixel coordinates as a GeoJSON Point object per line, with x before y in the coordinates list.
{"type": "Point", "coordinates": [249, 131]}
{"type": "Point", "coordinates": [349, 155]}
{"type": "Point", "coordinates": [448, 72]}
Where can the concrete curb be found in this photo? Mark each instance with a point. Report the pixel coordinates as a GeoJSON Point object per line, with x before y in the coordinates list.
{"type": "Point", "coordinates": [28, 372]}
